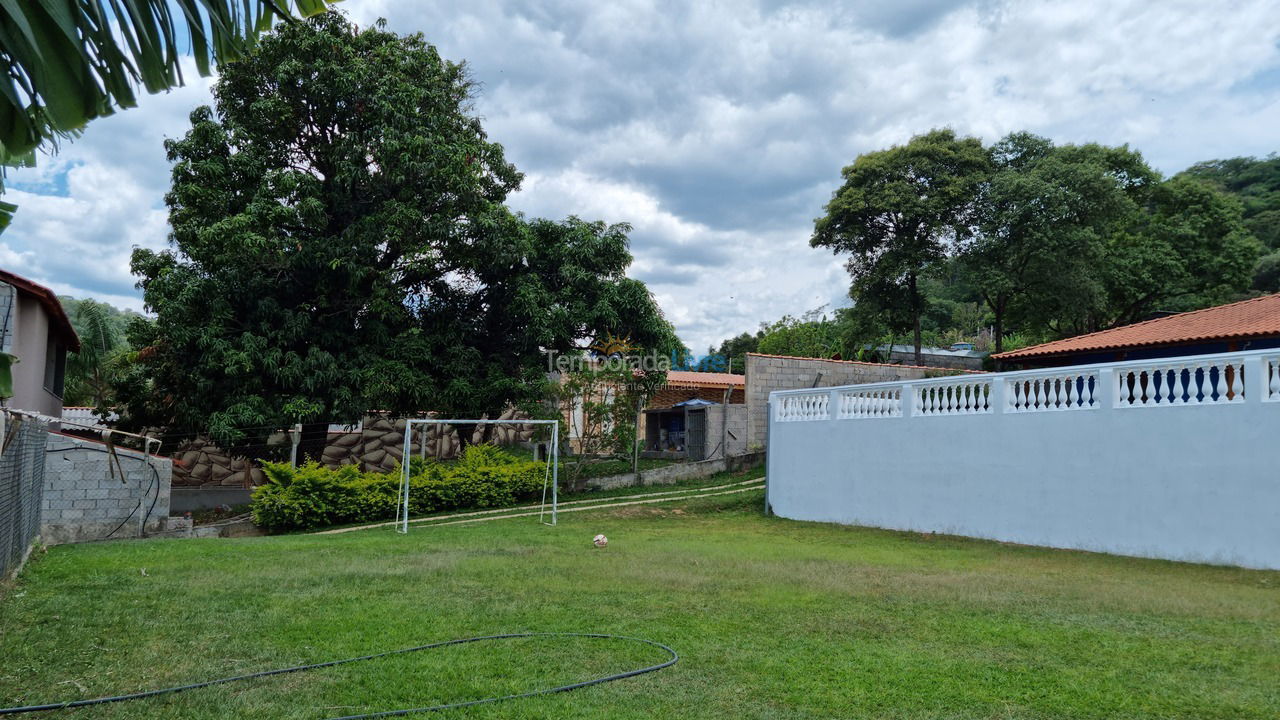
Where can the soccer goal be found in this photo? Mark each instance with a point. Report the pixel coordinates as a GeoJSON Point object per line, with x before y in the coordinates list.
{"type": "Point", "coordinates": [550, 474]}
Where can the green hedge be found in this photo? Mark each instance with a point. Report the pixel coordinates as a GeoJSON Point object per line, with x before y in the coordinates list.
{"type": "Point", "coordinates": [313, 496]}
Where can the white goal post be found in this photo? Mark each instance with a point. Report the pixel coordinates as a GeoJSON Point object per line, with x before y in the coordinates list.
{"type": "Point", "coordinates": [553, 461]}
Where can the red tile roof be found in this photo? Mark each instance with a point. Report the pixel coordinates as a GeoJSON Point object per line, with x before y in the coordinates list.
{"type": "Point", "coordinates": [687, 378]}
{"type": "Point", "coordinates": [1258, 317]}
{"type": "Point", "coordinates": [49, 301]}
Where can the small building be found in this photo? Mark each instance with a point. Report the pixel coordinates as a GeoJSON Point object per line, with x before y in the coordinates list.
{"type": "Point", "coordinates": [37, 333]}
{"type": "Point", "coordinates": [725, 388]}
{"type": "Point", "coordinates": [696, 416]}
{"type": "Point", "coordinates": [1252, 324]}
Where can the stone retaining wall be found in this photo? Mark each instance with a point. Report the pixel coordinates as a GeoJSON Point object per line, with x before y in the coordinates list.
{"type": "Point", "coordinates": [377, 446]}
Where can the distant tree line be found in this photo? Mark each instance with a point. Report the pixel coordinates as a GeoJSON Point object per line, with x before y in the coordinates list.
{"type": "Point", "coordinates": [1025, 241]}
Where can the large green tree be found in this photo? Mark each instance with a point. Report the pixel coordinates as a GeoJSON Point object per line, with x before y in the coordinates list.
{"type": "Point", "coordinates": [1188, 248]}
{"type": "Point", "coordinates": [899, 212]}
{"type": "Point", "coordinates": [70, 61]}
{"type": "Point", "coordinates": [1045, 214]}
{"type": "Point", "coordinates": [340, 245]}
{"type": "Point", "coordinates": [1255, 182]}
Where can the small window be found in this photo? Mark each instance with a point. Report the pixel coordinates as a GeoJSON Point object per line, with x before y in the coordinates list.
{"type": "Point", "coordinates": [55, 367]}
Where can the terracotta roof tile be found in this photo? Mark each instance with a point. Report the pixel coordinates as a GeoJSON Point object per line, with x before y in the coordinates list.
{"type": "Point", "coordinates": [688, 378]}
{"type": "Point", "coordinates": [1257, 317]}
{"type": "Point", "coordinates": [49, 300]}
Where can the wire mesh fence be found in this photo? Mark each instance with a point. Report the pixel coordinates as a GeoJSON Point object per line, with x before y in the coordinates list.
{"type": "Point", "coordinates": [21, 488]}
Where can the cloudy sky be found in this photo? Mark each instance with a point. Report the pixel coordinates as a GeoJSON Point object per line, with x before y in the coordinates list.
{"type": "Point", "coordinates": [718, 130]}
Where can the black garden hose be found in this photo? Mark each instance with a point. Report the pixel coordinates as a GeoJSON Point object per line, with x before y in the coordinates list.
{"type": "Point", "coordinates": [674, 657]}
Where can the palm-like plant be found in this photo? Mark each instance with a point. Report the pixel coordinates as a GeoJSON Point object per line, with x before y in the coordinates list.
{"type": "Point", "coordinates": [67, 62]}
{"type": "Point", "coordinates": [91, 372]}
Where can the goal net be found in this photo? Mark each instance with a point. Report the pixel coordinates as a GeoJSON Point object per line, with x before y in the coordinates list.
{"type": "Point", "coordinates": [423, 425]}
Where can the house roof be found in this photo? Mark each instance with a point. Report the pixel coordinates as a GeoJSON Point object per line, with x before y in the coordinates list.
{"type": "Point", "coordinates": [1257, 317]}
{"type": "Point", "coordinates": [688, 378]}
{"type": "Point", "coordinates": [49, 301]}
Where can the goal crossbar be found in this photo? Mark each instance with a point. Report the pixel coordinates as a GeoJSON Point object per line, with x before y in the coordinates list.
{"type": "Point", "coordinates": [553, 461]}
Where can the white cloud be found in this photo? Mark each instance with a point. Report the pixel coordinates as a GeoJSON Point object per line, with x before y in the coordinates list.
{"type": "Point", "coordinates": [719, 130]}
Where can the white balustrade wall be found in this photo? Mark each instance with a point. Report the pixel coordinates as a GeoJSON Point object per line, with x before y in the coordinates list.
{"type": "Point", "coordinates": [1175, 458]}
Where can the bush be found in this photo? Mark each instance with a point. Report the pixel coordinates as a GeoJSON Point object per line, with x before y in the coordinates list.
{"type": "Point", "coordinates": [313, 496]}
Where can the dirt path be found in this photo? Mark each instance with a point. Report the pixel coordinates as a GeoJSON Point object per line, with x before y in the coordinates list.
{"type": "Point", "coordinates": [572, 506]}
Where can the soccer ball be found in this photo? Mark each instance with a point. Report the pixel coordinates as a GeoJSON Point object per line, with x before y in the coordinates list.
{"type": "Point", "coordinates": [600, 540]}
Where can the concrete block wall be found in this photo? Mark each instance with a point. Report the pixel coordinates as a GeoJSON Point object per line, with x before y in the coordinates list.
{"type": "Point", "coordinates": [86, 495]}
{"type": "Point", "coordinates": [733, 442]}
{"type": "Point", "coordinates": [767, 373]}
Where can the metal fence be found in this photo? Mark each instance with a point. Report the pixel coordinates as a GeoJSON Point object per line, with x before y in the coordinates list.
{"type": "Point", "coordinates": [21, 488]}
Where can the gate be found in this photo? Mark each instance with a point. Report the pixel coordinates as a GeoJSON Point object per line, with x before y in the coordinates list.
{"type": "Point", "coordinates": [696, 434]}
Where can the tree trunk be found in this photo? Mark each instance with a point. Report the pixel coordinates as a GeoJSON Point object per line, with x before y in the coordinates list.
{"type": "Point", "coordinates": [915, 320]}
{"type": "Point", "coordinates": [999, 313]}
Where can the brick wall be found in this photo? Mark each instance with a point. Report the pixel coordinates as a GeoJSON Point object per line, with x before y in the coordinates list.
{"type": "Point", "coordinates": [86, 495]}
{"type": "Point", "coordinates": [766, 373]}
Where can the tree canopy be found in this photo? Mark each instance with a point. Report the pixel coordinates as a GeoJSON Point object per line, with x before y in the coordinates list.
{"type": "Point", "coordinates": [340, 244]}
{"type": "Point", "coordinates": [898, 213]}
{"type": "Point", "coordinates": [94, 373]}
{"type": "Point", "coordinates": [1041, 241]}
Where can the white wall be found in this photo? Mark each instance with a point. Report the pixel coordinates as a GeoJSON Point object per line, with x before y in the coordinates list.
{"type": "Point", "coordinates": [1191, 480]}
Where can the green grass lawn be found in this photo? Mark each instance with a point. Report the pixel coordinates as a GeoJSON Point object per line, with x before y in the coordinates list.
{"type": "Point", "coordinates": [772, 618]}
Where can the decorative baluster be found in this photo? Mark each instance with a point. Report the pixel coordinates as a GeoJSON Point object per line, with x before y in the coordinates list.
{"type": "Point", "coordinates": [1220, 384]}
{"type": "Point", "coordinates": [1273, 369]}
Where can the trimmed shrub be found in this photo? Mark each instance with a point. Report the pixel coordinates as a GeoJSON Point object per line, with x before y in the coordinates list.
{"type": "Point", "coordinates": [313, 496]}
